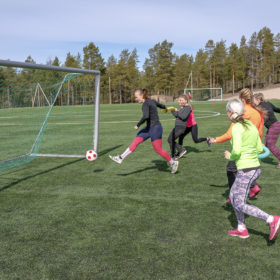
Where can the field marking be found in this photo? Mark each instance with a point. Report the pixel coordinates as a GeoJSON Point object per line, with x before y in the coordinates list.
{"type": "Point", "coordinates": [214, 114]}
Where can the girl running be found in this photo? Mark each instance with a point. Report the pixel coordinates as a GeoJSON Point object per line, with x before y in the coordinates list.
{"type": "Point", "coordinates": [191, 126]}
{"type": "Point", "coordinates": [152, 130]}
{"type": "Point", "coordinates": [254, 115]}
{"type": "Point", "coordinates": [246, 145]}
{"type": "Point", "coordinates": [271, 123]}
{"type": "Point", "coordinates": [181, 116]}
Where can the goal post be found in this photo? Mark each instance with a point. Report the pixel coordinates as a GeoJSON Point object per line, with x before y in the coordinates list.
{"type": "Point", "coordinates": [205, 94]}
{"type": "Point", "coordinates": [64, 112]}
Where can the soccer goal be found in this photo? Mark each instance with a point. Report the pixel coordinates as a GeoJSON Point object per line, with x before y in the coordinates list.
{"type": "Point", "coordinates": [47, 111]}
{"type": "Point", "coordinates": [205, 94]}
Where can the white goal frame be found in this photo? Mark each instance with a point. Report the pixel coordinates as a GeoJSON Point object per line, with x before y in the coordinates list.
{"type": "Point", "coordinates": [8, 63]}
{"type": "Point", "coordinates": [212, 98]}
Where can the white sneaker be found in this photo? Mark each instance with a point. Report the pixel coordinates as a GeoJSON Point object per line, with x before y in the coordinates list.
{"type": "Point", "coordinates": [183, 152]}
{"type": "Point", "coordinates": [174, 166]}
{"type": "Point", "coordinates": [116, 159]}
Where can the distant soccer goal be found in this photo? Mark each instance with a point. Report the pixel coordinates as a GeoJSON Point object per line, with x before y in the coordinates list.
{"type": "Point", "coordinates": [205, 94]}
{"type": "Point", "coordinates": [47, 111]}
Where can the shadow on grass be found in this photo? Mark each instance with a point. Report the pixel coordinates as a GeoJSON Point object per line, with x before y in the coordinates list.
{"type": "Point", "coordinates": [195, 150]}
{"type": "Point", "coordinates": [264, 235]}
{"type": "Point", "coordinates": [46, 171]}
{"type": "Point", "coordinates": [233, 221]}
{"type": "Point", "coordinates": [104, 152]}
{"type": "Point", "coordinates": [219, 186]}
{"type": "Point", "coordinates": [269, 160]}
{"type": "Point", "coordinates": [39, 173]}
{"type": "Point", "coordinates": [159, 165]}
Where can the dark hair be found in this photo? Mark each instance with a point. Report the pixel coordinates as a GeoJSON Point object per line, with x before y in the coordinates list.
{"type": "Point", "coordinates": [184, 96]}
{"type": "Point", "coordinates": [143, 92]}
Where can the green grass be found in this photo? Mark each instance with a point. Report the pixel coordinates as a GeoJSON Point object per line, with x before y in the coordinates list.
{"type": "Point", "coordinates": [74, 219]}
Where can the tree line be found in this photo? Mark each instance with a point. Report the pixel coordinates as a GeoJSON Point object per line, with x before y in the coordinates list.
{"type": "Point", "coordinates": [254, 62]}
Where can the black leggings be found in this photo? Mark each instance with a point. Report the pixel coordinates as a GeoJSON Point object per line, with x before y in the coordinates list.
{"type": "Point", "coordinates": [194, 130]}
{"type": "Point", "coordinates": [174, 134]}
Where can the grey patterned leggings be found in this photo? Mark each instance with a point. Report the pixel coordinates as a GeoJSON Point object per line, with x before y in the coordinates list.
{"type": "Point", "coordinates": [238, 195]}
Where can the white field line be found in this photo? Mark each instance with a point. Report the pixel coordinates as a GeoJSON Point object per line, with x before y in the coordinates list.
{"type": "Point", "coordinates": [214, 114]}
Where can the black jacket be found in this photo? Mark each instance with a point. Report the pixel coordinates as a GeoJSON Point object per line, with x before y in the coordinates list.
{"type": "Point", "coordinates": [150, 113]}
{"type": "Point", "coordinates": [182, 115]}
{"type": "Point", "coordinates": [270, 108]}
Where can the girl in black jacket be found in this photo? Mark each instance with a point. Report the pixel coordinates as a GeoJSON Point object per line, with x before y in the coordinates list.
{"type": "Point", "coordinates": [271, 123]}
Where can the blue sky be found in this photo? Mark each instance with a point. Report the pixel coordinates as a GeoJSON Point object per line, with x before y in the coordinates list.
{"type": "Point", "coordinates": [45, 29]}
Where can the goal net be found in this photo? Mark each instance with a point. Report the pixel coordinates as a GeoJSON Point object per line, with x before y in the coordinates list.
{"type": "Point", "coordinates": [205, 94]}
{"type": "Point", "coordinates": [46, 111]}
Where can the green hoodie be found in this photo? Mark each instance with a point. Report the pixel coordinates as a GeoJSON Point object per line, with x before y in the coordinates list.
{"type": "Point", "coordinates": [246, 145]}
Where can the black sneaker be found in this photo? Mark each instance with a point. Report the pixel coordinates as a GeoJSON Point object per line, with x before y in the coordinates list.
{"type": "Point", "coordinates": [208, 141]}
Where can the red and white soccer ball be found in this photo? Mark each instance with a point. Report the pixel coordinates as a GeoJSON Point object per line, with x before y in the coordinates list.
{"type": "Point", "coordinates": [91, 155]}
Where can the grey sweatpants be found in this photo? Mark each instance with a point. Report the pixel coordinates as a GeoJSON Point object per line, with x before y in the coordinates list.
{"type": "Point", "coordinates": [239, 193]}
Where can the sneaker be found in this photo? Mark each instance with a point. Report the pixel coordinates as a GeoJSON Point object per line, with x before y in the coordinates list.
{"type": "Point", "coordinates": [274, 227]}
{"type": "Point", "coordinates": [174, 166]}
{"type": "Point", "coordinates": [208, 141]}
{"type": "Point", "coordinates": [254, 191]}
{"type": "Point", "coordinates": [278, 165]}
{"type": "Point", "coordinates": [242, 234]}
{"type": "Point", "coordinates": [116, 159]}
{"type": "Point", "coordinates": [179, 155]}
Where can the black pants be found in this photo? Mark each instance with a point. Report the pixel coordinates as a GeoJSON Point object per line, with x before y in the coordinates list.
{"type": "Point", "coordinates": [194, 130]}
{"type": "Point", "coordinates": [174, 134]}
{"type": "Point", "coordinates": [232, 172]}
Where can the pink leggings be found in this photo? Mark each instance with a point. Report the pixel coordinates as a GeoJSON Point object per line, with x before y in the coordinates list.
{"type": "Point", "coordinates": [157, 144]}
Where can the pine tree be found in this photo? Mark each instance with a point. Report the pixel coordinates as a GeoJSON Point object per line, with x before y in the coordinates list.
{"type": "Point", "coordinates": [148, 77]}
{"type": "Point", "coordinates": [244, 60]}
{"type": "Point", "coordinates": [253, 59]}
{"type": "Point", "coordinates": [73, 61]}
{"type": "Point", "coordinates": [182, 70]}
{"type": "Point", "coordinates": [209, 49]}
{"type": "Point", "coordinates": [200, 70]}
{"type": "Point", "coordinates": [218, 61]}
{"type": "Point", "coordinates": [232, 63]}
{"type": "Point", "coordinates": [93, 59]}
{"type": "Point", "coordinates": [161, 62]}
{"type": "Point", "coordinates": [266, 43]}
{"type": "Point", "coordinates": [110, 77]}
{"type": "Point", "coordinates": [277, 58]}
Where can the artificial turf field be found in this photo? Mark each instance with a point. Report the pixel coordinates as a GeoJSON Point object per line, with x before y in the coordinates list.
{"type": "Point", "coordinates": [74, 219]}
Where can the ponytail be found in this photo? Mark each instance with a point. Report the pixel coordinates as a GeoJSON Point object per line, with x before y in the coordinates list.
{"type": "Point", "coordinates": [143, 92]}
{"type": "Point", "coordinates": [247, 95]}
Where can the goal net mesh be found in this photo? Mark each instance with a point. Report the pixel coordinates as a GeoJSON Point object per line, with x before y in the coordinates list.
{"type": "Point", "coordinates": [44, 112]}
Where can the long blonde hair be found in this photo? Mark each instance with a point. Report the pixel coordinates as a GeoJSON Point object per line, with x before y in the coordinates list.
{"type": "Point", "coordinates": [247, 95]}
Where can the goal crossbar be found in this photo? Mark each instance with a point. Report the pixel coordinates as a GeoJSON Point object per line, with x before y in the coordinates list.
{"type": "Point", "coordinates": [96, 73]}
{"type": "Point", "coordinates": [208, 94]}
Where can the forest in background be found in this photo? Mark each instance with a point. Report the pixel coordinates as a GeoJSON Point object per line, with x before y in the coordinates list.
{"type": "Point", "coordinates": [253, 63]}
